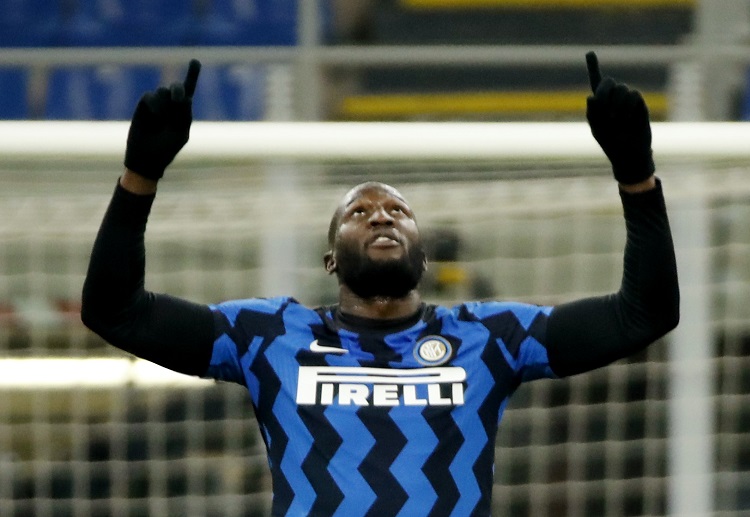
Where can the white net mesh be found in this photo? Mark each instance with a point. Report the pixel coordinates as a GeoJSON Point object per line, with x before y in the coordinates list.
{"type": "Point", "coordinates": [524, 229]}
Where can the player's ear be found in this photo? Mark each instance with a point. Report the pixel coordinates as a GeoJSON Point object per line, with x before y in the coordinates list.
{"type": "Point", "coordinates": [329, 262]}
{"type": "Point", "coordinates": [424, 264]}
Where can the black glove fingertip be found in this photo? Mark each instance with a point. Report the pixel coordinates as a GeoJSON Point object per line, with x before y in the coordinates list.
{"type": "Point", "coordinates": [191, 79]}
{"type": "Point", "coordinates": [592, 65]}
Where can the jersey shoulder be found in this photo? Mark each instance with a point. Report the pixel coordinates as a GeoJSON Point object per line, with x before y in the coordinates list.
{"type": "Point", "coordinates": [485, 310]}
{"type": "Point", "coordinates": [268, 305]}
{"type": "Point", "coordinates": [253, 312]}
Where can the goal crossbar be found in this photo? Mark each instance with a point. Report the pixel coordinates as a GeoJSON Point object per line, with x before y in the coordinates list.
{"type": "Point", "coordinates": [374, 140]}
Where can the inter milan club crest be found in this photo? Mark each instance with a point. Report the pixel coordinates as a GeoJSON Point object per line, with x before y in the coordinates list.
{"type": "Point", "coordinates": [432, 350]}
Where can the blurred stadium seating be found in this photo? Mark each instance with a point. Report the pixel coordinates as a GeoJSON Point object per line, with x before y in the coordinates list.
{"type": "Point", "coordinates": [110, 92]}
{"type": "Point", "coordinates": [372, 92]}
{"type": "Point", "coordinates": [235, 92]}
{"type": "Point", "coordinates": [520, 92]}
{"type": "Point", "coordinates": [108, 23]}
{"type": "Point", "coordinates": [107, 92]}
{"type": "Point", "coordinates": [264, 22]}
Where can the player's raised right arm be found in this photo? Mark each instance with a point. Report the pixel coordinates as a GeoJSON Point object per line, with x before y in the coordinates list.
{"type": "Point", "coordinates": [174, 333]}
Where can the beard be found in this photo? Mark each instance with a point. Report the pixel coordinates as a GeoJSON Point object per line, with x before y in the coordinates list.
{"type": "Point", "coordinates": [391, 278]}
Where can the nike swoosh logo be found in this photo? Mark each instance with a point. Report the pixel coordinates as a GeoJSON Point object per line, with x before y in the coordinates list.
{"type": "Point", "coordinates": [315, 347]}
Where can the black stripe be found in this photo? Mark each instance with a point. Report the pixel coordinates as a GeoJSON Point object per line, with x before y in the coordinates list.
{"type": "Point", "coordinates": [538, 328]}
{"type": "Point", "coordinates": [505, 325]}
{"type": "Point", "coordinates": [450, 438]}
{"type": "Point", "coordinates": [375, 468]}
{"type": "Point", "coordinates": [376, 345]}
{"type": "Point", "coordinates": [315, 465]}
{"type": "Point", "coordinates": [505, 384]}
{"type": "Point", "coordinates": [247, 325]}
{"type": "Point", "coordinates": [437, 466]}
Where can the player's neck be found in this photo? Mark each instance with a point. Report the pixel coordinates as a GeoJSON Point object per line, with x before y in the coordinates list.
{"type": "Point", "coordinates": [379, 307]}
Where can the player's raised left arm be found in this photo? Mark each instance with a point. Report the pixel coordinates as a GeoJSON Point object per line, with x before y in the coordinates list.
{"type": "Point", "coordinates": [592, 332]}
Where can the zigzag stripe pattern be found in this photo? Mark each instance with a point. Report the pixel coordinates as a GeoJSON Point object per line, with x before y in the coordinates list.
{"type": "Point", "coordinates": [375, 468]}
{"type": "Point", "coordinates": [359, 426]}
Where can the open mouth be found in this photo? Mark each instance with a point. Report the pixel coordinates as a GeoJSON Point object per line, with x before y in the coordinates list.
{"type": "Point", "coordinates": [384, 241]}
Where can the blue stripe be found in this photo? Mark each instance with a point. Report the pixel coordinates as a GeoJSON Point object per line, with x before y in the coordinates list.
{"type": "Point", "coordinates": [300, 439]}
{"type": "Point", "coordinates": [225, 365]}
{"type": "Point", "coordinates": [508, 356]}
{"type": "Point", "coordinates": [358, 496]}
{"type": "Point", "coordinates": [253, 384]}
{"type": "Point", "coordinates": [264, 305]}
{"type": "Point", "coordinates": [408, 466]}
{"type": "Point", "coordinates": [526, 314]}
{"type": "Point", "coordinates": [533, 357]}
{"type": "Point", "coordinates": [467, 418]}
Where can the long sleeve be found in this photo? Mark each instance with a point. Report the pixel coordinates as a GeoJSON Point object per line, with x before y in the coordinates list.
{"type": "Point", "coordinates": [593, 332]}
{"type": "Point", "coordinates": [169, 331]}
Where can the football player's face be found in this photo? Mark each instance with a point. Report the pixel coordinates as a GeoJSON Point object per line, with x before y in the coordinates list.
{"type": "Point", "coordinates": [377, 249]}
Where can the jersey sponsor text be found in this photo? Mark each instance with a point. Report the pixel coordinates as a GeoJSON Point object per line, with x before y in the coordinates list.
{"type": "Point", "coordinates": [361, 386]}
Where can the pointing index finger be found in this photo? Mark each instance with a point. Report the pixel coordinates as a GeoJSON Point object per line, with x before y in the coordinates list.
{"type": "Point", "coordinates": [595, 75]}
{"type": "Point", "coordinates": [191, 79]}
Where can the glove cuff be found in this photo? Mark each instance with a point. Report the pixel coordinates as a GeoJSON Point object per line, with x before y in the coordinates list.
{"type": "Point", "coordinates": [147, 171]}
{"type": "Point", "coordinates": [635, 169]}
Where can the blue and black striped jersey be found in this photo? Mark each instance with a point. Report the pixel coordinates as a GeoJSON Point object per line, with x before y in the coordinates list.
{"type": "Point", "coordinates": [380, 422]}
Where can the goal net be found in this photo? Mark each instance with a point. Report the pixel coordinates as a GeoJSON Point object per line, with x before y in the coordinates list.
{"type": "Point", "coordinates": [525, 212]}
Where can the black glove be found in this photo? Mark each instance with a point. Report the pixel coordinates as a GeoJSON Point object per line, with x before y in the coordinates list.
{"type": "Point", "coordinates": [161, 126]}
{"type": "Point", "coordinates": [619, 121]}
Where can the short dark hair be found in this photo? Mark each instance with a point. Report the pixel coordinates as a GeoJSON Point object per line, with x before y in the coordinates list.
{"type": "Point", "coordinates": [333, 227]}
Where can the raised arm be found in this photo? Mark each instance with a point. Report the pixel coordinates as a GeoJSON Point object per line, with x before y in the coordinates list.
{"type": "Point", "coordinates": [174, 333]}
{"type": "Point", "coordinates": [593, 332]}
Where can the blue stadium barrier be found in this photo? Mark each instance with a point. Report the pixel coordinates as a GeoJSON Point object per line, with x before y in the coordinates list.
{"type": "Point", "coordinates": [128, 23]}
{"type": "Point", "coordinates": [14, 100]}
{"type": "Point", "coordinates": [44, 23]}
{"type": "Point", "coordinates": [29, 23]}
{"type": "Point", "coordinates": [98, 93]}
{"type": "Point", "coordinates": [253, 22]}
{"type": "Point", "coordinates": [236, 92]}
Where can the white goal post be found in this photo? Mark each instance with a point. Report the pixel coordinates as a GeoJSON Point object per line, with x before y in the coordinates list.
{"type": "Point", "coordinates": [383, 140]}
{"type": "Point", "coordinates": [211, 235]}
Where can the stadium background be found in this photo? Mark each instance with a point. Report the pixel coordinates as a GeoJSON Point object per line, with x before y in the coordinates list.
{"type": "Point", "coordinates": [605, 443]}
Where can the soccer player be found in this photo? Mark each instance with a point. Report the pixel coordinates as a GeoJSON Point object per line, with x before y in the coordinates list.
{"type": "Point", "coordinates": [382, 404]}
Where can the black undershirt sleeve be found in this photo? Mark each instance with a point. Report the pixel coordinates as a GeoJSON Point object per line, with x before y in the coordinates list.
{"type": "Point", "coordinates": [169, 331]}
{"type": "Point", "coordinates": [593, 332]}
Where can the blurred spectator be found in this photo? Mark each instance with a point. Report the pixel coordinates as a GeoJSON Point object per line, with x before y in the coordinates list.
{"type": "Point", "coordinates": [447, 275]}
